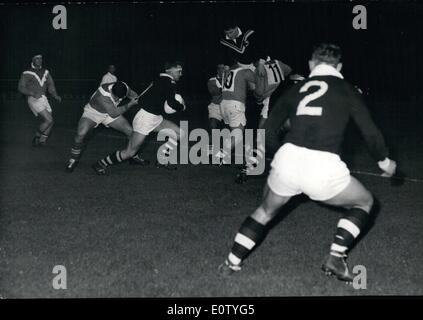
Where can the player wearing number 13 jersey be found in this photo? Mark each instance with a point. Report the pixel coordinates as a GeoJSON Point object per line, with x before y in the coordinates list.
{"type": "Point", "coordinates": [308, 162]}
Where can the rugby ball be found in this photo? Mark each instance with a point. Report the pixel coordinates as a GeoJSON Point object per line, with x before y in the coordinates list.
{"type": "Point", "coordinates": [168, 109]}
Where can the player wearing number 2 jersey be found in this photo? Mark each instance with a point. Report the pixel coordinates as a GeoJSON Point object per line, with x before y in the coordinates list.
{"type": "Point", "coordinates": [308, 162]}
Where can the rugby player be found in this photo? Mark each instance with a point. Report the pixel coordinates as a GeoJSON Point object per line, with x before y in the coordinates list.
{"type": "Point", "coordinates": [214, 85]}
{"type": "Point", "coordinates": [103, 108]}
{"type": "Point", "coordinates": [33, 84]}
{"type": "Point", "coordinates": [308, 161]}
{"type": "Point", "coordinates": [110, 76]}
{"type": "Point", "coordinates": [234, 95]}
{"type": "Point", "coordinates": [242, 47]}
{"type": "Point", "coordinates": [151, 118]}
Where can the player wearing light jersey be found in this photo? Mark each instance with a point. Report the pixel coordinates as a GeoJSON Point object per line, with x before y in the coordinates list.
{"type": "Point", "coordinates": [103, 108]}
{"type": "Point", "coordinates": [234, 94]}
{"type": "Point", "coordinates": [34, 83]}
{"type": "Point", "coordinates": [308, 161]}
{"type": "Point", "coordinates": [276, 73]}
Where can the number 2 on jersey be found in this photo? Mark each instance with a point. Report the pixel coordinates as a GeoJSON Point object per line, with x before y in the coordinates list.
{"type": "Point", "coordinates": [303, 107]}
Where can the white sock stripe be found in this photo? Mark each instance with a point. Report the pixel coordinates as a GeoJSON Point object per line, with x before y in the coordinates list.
{"type": "Point", "coordinates": [349, 226]}
{"type": "Point", "coordinates": [244, 241]}
{"type": "Point", "coordinates": [118, 156]}
{"type": "Point", "coordinates": [109, 160]}
{"type": "Point", "coordinates": [338, 248]}
{"type": "Point", "coordinates": [234, 259]}
{"type": "Point", "coordinates": [339, 237]}
{"type": "Point", "coordinates": [104, 162]}
{"type": "Point", "coordinates": [336, 254]}
{"type": "Point", "coordinates": [76, 151]}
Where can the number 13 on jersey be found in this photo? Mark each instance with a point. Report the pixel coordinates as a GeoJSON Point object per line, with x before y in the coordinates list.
{"type": "Point", "coordinates": [303, 107]}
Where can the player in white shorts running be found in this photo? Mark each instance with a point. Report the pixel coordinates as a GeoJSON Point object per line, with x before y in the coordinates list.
{"type": "Point", "coordinates": [34, 83]}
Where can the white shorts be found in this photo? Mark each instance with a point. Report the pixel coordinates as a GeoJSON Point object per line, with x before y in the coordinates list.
{"type": "Point", "coordinates": [265, 110]}
{"type": "Point", "coordinates": [214, 111]}
{"type": "Point", "coordinates": [250, 66]}
{"type": "Point", "coordinates": [97, 117]}
{"type": "Point", "coordinates": [38, 105]}
{"type": "Point", "coordinates": [233, 113]}
{"type": "Point", "coordinates": [318, 174]}
{"type": "Point", "coordinates": [144, 122]}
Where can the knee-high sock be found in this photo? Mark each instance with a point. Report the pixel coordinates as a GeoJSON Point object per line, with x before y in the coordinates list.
{"type": "Point", "coordinates": [77, 150]}
{"type": "Point", "coordinates": [249, 235]}
{"type": "Point", "coordinates": [348, 229]}
{"type": "Point", "coordinates": [42, 135]}
{"type": "Point", "coordinates": [111, 159]}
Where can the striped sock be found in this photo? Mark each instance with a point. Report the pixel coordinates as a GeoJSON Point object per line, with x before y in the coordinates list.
{"type": "Point", "coordinates": [76, 151]}
{"type": "Point", "coordinates": [111, 159]}
{"type": "Point", "coordinates": [250, 234]}
{"type": "Point", "coordinates": [43, 138]}
{"type": "Point", "coordinates": [348, 229]}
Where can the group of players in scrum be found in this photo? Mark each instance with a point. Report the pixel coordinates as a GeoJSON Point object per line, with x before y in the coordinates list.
{"type": "Point", "coordinates": [307, 161]}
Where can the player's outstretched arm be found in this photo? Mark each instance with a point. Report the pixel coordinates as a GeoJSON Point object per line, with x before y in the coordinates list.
{"type": "Point", "coordinates": [370, 132]}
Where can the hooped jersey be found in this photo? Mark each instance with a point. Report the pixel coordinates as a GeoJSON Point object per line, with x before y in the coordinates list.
{"type": "Point", "coordinates": [102, 94]}
{"type": "Point", "coordinates": [236, 84]}
{"type": "Point", "coordinates": [319, 109]}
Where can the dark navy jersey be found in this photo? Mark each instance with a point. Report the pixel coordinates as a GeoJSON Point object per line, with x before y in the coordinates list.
{"type": "Point", "coordinates": [244, 49]}
{"type": "Point", "coordinates": [163, 89]}
{"type": "Point", "coordinates": [319, 109]}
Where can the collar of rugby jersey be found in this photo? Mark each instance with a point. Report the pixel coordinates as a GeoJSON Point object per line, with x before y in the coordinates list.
{"type": "Point", "coordinates": [166, 75]}
{"type": "Point", "coordinates": [325, 70]}
{"type": "Point", "coordinates": [239, 34]}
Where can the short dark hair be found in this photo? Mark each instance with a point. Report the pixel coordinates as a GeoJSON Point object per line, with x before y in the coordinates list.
{"type": "Point", "coordinates": [328, 53]}
{"type": "Point", "coordinates": [230, 23]}
{"type": "Point", "coordinates": [171, 64]}
{"type": "Point", "coordinates": [120, 89]}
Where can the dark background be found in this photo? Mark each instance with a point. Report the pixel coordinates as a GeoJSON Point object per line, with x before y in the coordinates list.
{"type": "Point", "coordinates": [385, 60]}
{"type": "Point", "coordinates": [138, 37]}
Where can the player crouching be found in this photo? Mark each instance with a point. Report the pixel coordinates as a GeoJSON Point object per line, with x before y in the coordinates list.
{"type": "Point", "coordinates": [103, 109]}
{"type": "Point", "coordinates": [157, 102]}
